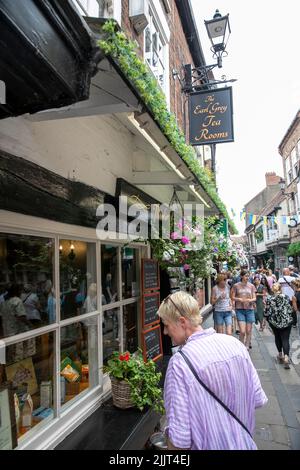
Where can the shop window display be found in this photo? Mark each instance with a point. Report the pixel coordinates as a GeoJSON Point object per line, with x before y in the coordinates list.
{"type": "Point", "coordinates": [30, 369]}
{"type": "Point", "coordinates": [79, 358]}
{"type": "Point", "coordinates": [109, 271]}
{"type": "Point", "coordinates": [77, 265]}
{"type": "Point", "coordinates": [27, 298]}
{"type": "Point", "coordinates": [130, 317]}
{"type": "Point", "coordinates": [130, 274]}
{"type": "Point", "coordinates": [111, 332]}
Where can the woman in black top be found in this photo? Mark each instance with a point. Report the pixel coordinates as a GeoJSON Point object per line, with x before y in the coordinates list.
{"type": "Point", "coordinates": [278, 311]}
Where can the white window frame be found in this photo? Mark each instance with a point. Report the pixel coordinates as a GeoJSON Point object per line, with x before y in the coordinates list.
{"type": "Point", "coordinates": [48, 433]}
{"type": "Point", "coordinates": [158, 23]}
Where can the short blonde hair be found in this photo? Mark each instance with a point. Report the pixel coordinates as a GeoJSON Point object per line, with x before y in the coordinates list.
{"type": "Point", "coordinates": [276, 288]}
{"type": "Point", "coordinates": [296, 283]}
{"type": "Point", "coordinates": [184, 306]}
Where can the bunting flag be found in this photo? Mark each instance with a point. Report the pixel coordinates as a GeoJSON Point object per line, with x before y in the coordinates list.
{"type": "Point", "coordinates": [243, 215]}
{"type": "Point", "coordinates": [254, 218]}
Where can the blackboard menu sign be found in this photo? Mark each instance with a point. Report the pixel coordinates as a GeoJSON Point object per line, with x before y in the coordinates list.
{"type": "Point", "coordinates": [150, 305]}
{"type": "Point", "coordinates": [152, 346]}
{"type": "Point", "coordinates": [150, 277]}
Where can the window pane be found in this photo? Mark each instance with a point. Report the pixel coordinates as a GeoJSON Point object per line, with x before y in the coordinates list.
{"type": "Point", "coordinates": [130, 274]}
{"type": "Point", "coordinates": [77, 277]}
{"type": "Point", "coordinates": [130, 327]}
{"type": "Point", "coordinates": [111, 332]}
{"type": "Point", "coordinates": [26, 283]}
{"type": "Point", "coordinates": [109, 269]}
{"type": "Point", "coordinates": [147, 40]}
{"type": "Point", "coordinates": [79, 358]}
{"type": "Point", "coordinates": [30, 368]}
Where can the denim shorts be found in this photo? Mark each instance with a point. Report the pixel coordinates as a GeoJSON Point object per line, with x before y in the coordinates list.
{"type": "Point", "coordinates": [223, 317]}
{"type": "Point", "coordinates": [247, 316]}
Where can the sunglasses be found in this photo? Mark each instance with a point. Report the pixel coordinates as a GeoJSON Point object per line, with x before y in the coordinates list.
{"type": "Point", "coordinates": [176, 306]}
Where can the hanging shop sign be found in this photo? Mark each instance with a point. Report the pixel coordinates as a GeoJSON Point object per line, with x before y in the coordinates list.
{"type": "Point", "coordinates": [211, 116]}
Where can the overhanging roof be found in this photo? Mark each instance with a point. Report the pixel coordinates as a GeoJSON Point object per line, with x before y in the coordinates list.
{"type": "Point", "coordinates": [47, 55]}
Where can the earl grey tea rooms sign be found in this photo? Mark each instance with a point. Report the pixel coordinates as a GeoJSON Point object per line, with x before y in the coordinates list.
{"type": "Point", "coordinates": [210, 115]}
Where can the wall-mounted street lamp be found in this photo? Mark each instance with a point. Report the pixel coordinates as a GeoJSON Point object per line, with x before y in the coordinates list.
{"type": "Point", "coordinates": [291, 194]}
{"type": "Point", "coordinates": [218, 30]}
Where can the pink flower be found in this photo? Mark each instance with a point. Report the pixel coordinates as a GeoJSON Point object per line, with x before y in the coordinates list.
{"type": "Point", "coordinates": [186, 267]}
{"type": "Point", "coordinates": [185, 240]}
{"type": "Point", "coordinates": [180, 224]}
{"type": "Point", "coordinates": [183, 250]}
{"type": "Point", "coordinates": [174, 235]}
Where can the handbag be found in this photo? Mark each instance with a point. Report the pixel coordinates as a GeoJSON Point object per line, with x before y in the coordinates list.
{"type": "Point", "coordinates": [190, 365]}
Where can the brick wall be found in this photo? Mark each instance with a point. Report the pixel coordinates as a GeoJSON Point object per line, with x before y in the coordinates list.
{"type": "Point", "coordinates": [179, 55]}
{"type": "Point", "coordinates": [129, 30]}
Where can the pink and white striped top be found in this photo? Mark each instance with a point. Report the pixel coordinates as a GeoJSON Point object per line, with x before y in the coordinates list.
{"type": "Point", "coordinates": [195, 420]}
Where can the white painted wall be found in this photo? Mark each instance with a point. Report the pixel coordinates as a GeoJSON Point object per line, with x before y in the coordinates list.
{"type": "Point", "coordinates": [95, 150]}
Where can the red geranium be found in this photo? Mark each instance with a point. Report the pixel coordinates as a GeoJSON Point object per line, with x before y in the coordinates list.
{"type": "Point", "coordinates": [124, 357]}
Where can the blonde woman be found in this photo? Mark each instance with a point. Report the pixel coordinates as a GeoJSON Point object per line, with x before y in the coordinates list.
{"type": "Point", "coordinates": [220, 299]}
{"type": "Point", "coordinates": [279, 312]}
{"type": "Point", "coordinates": [196, 419]}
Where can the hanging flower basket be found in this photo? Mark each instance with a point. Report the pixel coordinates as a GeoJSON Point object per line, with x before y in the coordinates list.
{"type": "Point", "coordinates": [121, 393]}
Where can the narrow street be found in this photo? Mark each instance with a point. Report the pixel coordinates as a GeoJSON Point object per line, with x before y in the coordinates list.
{"type": "Point", "coordinates": [277, 423]}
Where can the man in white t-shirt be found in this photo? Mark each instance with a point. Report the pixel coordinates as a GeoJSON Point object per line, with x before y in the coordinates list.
{"type": "Point", "coordinates": [286, 285]}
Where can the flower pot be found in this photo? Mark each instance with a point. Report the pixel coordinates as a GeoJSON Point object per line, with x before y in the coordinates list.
{"type": "Point", "coordinates": [121, 393]}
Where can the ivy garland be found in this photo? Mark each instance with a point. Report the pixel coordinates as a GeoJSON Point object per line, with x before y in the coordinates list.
{"type": "Point", "coordinates": [117, 45]}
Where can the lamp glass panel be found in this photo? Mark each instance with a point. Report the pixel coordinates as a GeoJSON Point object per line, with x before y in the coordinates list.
{"type": "Point", "coordinates": [216, 29]}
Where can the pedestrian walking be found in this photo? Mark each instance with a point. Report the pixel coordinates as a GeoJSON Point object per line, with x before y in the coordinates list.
{"type": "Point", "coordinates": [271, 278]}
{"type": "Point", "coordinates": [220, 299]}
{"type": "Point", "coordinates": [278, 312]}
{"type": "Point", "coordinates": [211, 388]}
{"type": "Point", "coordinates": [243, 296]}
{"type": "Point", "coordinates": [287, 289]}
{"type": "Point", "coordinates": [261, 294]}
{"type": "Point", "coordinates": [296, 299]}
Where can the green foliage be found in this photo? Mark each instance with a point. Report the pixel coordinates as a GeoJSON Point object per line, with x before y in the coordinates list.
{"type": "Point", "coordinates": [141, 376]}
{"type": "Point", "coordinates": [201, 260]}
{"type": "Point", "coordinates": [294, 249]}
{"type": "Point", "coordinates": [259, 234]}
{"type": "Point", "coordinates": [122, 50]}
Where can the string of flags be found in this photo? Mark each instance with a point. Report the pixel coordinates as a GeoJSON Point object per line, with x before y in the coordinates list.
{"type": "Point", "coordinates": [254, 218]}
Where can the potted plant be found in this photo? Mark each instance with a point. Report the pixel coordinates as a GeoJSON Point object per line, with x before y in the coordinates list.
{"type": "Point", "coordinates": [134, 381]}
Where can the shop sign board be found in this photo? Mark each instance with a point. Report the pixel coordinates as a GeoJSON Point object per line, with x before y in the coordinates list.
{"type": "Point", "coordinates": [150, 306]}
{"type": "Point", "coordinates": [150, 275]}
{"type": "Point", "coordinates": [211, 116]}
{"type": "Point", "coordinates": [152, 343]}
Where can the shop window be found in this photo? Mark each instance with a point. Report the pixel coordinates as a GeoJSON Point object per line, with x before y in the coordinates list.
{"type": "Point", "coordinates": [111, 332]}
{"type": "Point", "coordinates": [77, 267]}
{"type": "Point", "coordinates": [79, 358]}
{"type": "Point", "coordinates": [30, 369]}
{"type": "Point", "coordinates": [130, 273]}
{"type": "Point", "coordinates": [110, 274]}
{"type": "Point", "coordinates": [27, 296]}
{"type": "Point", "coordinates": [130, 317]}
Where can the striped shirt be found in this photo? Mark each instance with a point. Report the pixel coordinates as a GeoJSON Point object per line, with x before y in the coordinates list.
{"type": "Point", "coordinates": [195, 420]}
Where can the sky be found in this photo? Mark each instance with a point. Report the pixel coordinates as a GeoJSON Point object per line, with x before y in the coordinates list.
{"type": "Point", "coordinates": [263, 56]}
